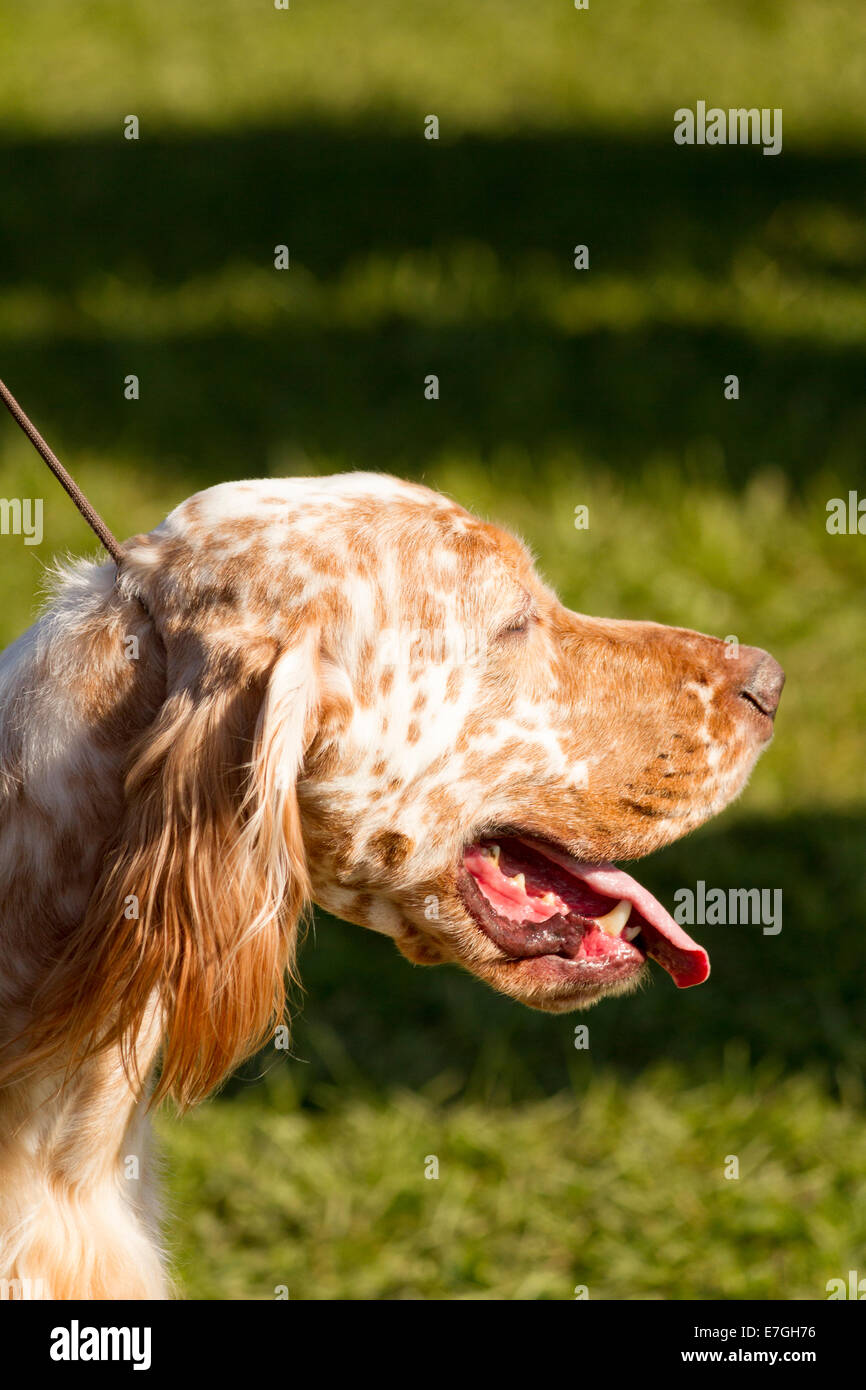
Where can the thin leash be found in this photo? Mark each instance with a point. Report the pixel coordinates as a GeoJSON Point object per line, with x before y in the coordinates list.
{"type": "Point", "coordinates": [87, 510]}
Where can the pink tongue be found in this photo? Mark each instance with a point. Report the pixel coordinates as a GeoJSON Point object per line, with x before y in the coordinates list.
{"type": "Point", "coordinates": [686, 962]}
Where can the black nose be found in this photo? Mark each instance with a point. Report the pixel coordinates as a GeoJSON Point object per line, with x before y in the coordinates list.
{"type": "Point", "coordinates": [763, 685]}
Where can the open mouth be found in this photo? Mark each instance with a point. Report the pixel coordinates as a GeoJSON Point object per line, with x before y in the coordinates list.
{"type": "Point", "coordinates": [533, 900]}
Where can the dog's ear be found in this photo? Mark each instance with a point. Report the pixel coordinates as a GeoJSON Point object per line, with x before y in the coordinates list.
{"type": "Point", "coordinates": [195, 916]}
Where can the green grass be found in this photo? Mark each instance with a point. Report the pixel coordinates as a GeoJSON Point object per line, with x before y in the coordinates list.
{"type": "Point", "coordinates": [558, 388]}
{"type": "Point", "coordinates": [492, 65]}
{"type": "Point", "coordinates": [620, 1189]}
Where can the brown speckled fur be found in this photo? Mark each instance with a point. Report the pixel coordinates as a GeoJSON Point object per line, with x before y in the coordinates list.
{"type": "Point", "coordinates": [339, 683]}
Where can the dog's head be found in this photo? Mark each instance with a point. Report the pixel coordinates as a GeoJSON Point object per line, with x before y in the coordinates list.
{"type": "Point", "coordinates": [372, 700]}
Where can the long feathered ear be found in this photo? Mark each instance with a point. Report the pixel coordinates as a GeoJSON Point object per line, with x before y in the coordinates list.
{"type": "Point", "coordinates": [198, 907]}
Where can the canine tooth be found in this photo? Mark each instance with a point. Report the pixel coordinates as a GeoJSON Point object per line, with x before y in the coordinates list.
{"type": "Point", "coordinates": [614, 921]}
{"type": "Point", "coordinates": [492, 852]}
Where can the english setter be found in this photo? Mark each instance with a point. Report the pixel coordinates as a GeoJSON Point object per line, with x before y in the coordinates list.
{"type": "Point", "coordinates": [341, 690]}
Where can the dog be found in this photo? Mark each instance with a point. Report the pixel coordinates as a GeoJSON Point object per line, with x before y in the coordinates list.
{"type": "Point", "coordinates": [345, 691]}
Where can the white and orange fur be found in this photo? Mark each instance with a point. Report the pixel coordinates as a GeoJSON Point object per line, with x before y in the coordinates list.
{"type": "Point", "coordinates": [292, 691]}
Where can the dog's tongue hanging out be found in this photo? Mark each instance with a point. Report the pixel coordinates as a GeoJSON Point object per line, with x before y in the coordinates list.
{"type": "Point", "coordinates": [527, 883]}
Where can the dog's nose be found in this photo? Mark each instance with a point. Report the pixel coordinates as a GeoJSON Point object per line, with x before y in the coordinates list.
{"type": "Point", "coordinates": [763, 682]}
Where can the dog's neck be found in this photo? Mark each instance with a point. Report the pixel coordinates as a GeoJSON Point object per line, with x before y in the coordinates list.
{"type": "Point", "coordinates": [75, 691]}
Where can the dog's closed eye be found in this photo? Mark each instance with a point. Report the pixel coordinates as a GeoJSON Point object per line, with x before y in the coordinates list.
{"type": "Point", "coordinates": [521, 622]}
{"type": "Point", "coordinates": [521, 617]}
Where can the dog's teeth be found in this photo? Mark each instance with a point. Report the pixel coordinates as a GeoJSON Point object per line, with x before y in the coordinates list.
{"type": "Point", "coordinates": [614, 921]}
{"type": "Point", "coordinates": [519, 882]}
{"type": "Point", "coordinates": [548, 899]}
{"type": "Point", "coordinates": [492, 852]}
{"type": "Point", "coordinates": [629, 933]}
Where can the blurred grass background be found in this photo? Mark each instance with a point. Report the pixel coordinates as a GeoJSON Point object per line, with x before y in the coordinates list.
{"type": "Point", "coordinates": [558, 1167]}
